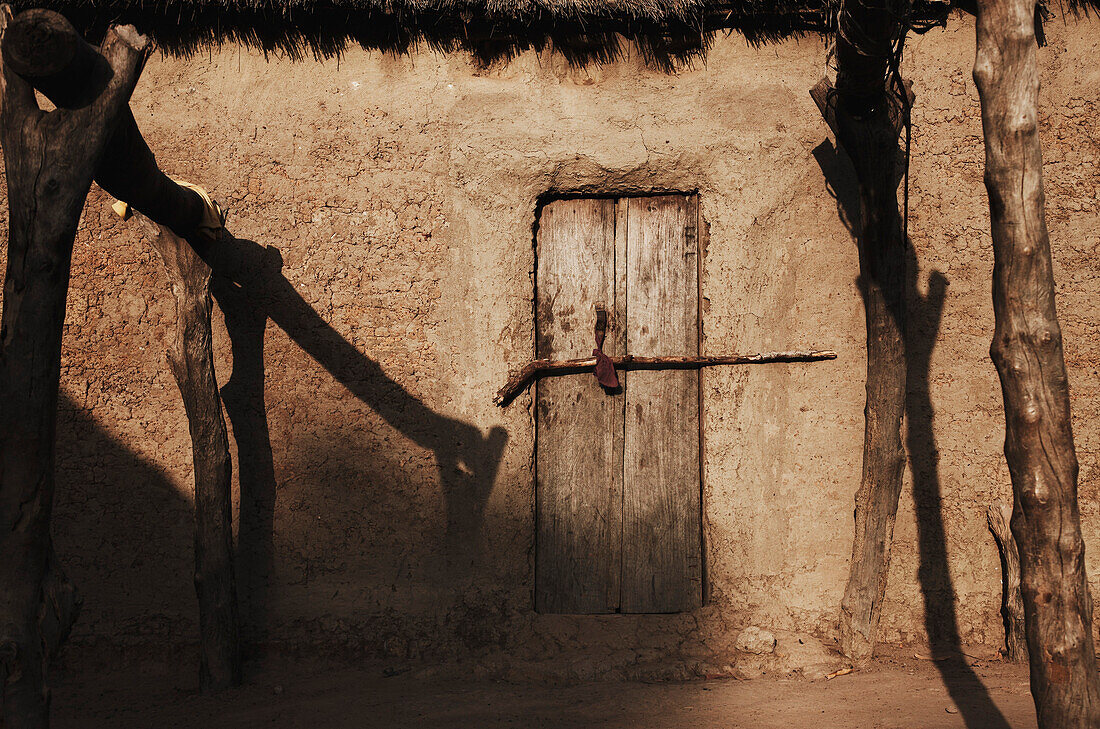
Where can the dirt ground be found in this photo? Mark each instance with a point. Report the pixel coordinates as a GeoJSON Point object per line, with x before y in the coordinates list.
{"type": "Point", "coordinates": [898, 692]}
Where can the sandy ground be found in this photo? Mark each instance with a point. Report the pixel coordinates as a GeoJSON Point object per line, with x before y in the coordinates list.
{"type": "Point", "coordinates": [898, 692]}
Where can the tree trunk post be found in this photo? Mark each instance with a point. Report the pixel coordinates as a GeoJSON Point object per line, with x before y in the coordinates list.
{"type": "Point", "coordinates": [1027, 351]}
{"type": "Point", "coordinates": [45, 50]}
{"type": "Point", "coordinates": [191, 359]}
{"type": "Point", "coordinates": [882, 275]}
{"type": "Point", "coordinates": [50, 159]}
{"type": "Point", "coordinates": [867, 128]}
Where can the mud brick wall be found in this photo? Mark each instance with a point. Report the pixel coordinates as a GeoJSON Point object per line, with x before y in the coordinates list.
{"type": "Point", "coordinates": [382, 209]}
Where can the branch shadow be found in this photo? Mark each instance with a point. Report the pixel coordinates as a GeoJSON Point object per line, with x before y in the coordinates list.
{"type": "Point", "coordinates": [925, 313]}
{"type": "Point", "coordinates": [250, 289]}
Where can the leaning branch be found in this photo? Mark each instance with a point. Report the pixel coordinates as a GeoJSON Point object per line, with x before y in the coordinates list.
{"type": "Point", "coordinates": [191, 358]}
{"type": "Point", "coordinates": [542, 367]}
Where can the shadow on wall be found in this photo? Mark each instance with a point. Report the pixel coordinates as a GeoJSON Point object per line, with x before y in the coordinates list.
{"type": "Point", "coordinates": [123, 533]}
{"type": "Point", "coordinates": [924, 315]}
{"type": "Point", "coordinates": [126, 530]}
{"type": "Point", "coordinates": [250, 289]}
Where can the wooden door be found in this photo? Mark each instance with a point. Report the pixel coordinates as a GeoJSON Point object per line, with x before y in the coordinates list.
{"type": "Point", "coordinates": [617, 474]}
{"type": "Point", "coordinates": [579, 438]}
{"type": "Point", "coordinates": [662, 570]}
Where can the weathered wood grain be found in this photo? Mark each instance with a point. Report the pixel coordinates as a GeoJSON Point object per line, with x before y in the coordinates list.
{"type": "Point", "coordinates": [191, 358]}
{"type": "Point", "coordinates": [998, 517]}
{"type": "Point", "coordinates": [871, 143]}
{"type": "Point", "coordinates": [49, 161]}
{"type": "Point", "coordinates": [579, 440]}
{"type": "Point", "coordinates": [47, 52]}
{"type": "Point", "coordinates": [662, 566]}
{"type": "Point", "coordinates": [1027, 351]}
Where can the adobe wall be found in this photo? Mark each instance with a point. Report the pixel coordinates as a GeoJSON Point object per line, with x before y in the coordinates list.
{"type": "Point", "coordinates": [383, 211]}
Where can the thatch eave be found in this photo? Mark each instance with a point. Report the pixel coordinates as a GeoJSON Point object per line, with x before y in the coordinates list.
{"type": "Point", "coordinates": [665, 32]}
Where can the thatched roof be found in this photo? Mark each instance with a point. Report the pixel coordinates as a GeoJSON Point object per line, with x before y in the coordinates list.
{"type": "Point", "coordinates": [665, 31]}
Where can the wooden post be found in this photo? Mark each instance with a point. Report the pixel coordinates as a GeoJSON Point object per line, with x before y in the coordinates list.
{"type": "Point", "coordinates": [191, 359]}
{"type": "Point", "coordinates": [866, 127]}
{"type": "Point", "coordinates": [1012, 602]}
{"type": "Point", "coordinates": [42, 50]}
{"type": "Point", "coordinates": [1027, 351]}
{"type": "Point", "coordinates": [47, 52]}
{"type": "Point", "coordinates": [49, 159]}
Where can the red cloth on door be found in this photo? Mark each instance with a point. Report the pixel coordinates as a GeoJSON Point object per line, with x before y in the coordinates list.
{"type": "Point", "coordinates": [605, 368]}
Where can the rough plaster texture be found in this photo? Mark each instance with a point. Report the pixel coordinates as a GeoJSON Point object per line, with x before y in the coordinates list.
{"type": "Point", "coordinates": [393, 513]}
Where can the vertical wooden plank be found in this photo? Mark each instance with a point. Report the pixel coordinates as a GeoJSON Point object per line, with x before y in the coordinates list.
{"type": "Point", "coordinates": [662, 566]}
{"type": "Point", "coordinates": [621, 228]}
{"type": "Point", "coordinates": [579, 428]}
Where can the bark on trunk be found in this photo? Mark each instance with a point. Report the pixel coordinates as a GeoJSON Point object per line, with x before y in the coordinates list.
{"type": "Point", "coordinates": [1027, 351]}
{"type": "Point", "coordinates": [192, 361]}
{"type": "Point", "coordinates": [47, 52]}
{"type": "Point", "coordinates": [1012, 603]}
{"type": "Point", "coordinates": [871, 142]}
{"type": "Point", "coordinates": [49, 162]}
